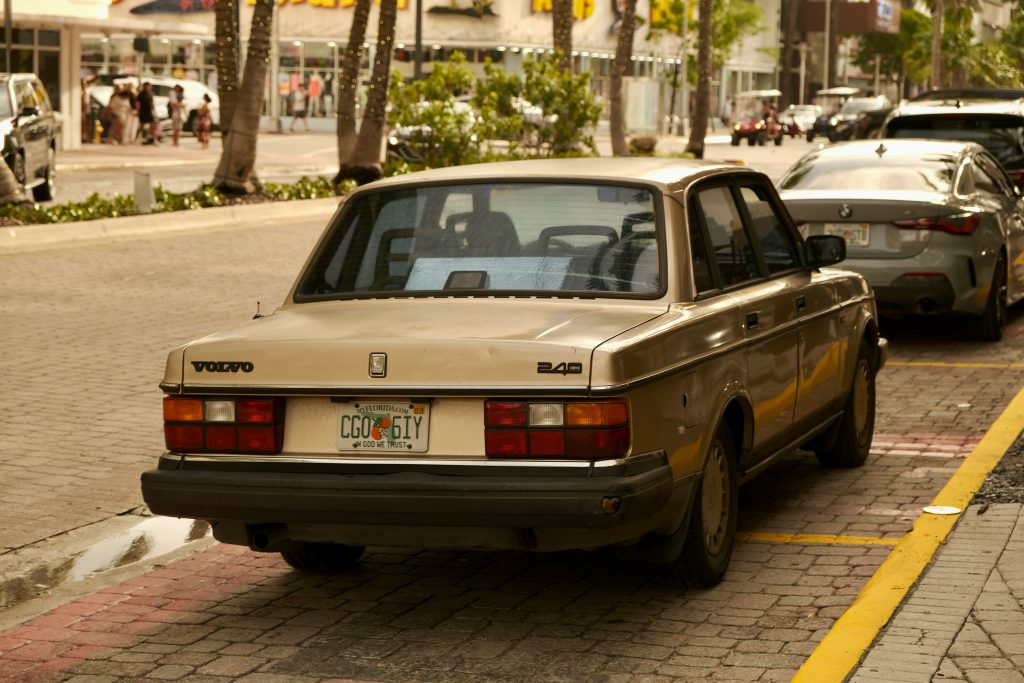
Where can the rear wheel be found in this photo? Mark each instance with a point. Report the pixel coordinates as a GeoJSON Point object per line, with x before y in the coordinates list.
{"type": "Point", "coordinates": [990, 324]}
{"type": "Point", "coordinates": [323, 558]}
{"type": "Point", "coordinates": [735, 141]}
{"type": "Point", "coordinates": [752, 140]}
{"type": "Point", "coordinates": [46, 191]}
{"type": "Point", "coordinates": [778, 140]}
{"type": "Point", "coordinates": [810, 136]}
{"type": "Point", "coordinates": [856, 427]}
{"type": "Point", "coordinates": [712, 533]}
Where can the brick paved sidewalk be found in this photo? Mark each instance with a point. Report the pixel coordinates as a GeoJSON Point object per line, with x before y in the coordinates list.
{"type": "Point", "coordinates": [964, 621]}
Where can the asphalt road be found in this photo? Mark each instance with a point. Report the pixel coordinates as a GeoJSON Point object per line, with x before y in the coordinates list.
{"type": "Point", "coordinates": [86, 331]}
{"type": "Point", "coordinates": [285, 158]}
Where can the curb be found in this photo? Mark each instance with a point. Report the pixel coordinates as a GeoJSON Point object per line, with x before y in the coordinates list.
{"type": "Point", "coordinates": [22, 238]}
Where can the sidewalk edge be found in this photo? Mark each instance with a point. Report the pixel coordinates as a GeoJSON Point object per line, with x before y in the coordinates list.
{"type": "Point", "coordinates": [23, 238]}
{"type": "Point", "coordinates": [852, 634]}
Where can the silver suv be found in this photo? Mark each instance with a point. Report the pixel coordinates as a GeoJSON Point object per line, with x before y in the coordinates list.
{"type": "Point", "coordinates": [30, 130]}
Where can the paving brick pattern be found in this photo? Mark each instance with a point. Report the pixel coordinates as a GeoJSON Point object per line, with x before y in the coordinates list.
{"type": "Point", "coordinates": [78, 402]}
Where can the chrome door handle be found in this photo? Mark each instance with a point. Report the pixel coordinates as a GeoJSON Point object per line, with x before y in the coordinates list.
{"type": "Point", "coordinates": [751, 320]}
{"type": "Point", "coordinates": [801, 303]}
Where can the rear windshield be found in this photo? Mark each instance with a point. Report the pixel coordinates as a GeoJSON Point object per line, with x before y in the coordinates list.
{"type": "Point", "coordinates": [488, 238]}
{"type": "Point", "coordinates": [931, 173]}
{"type": "Point", "coordinates": [857, 106]}
{"type": "Point", "coordinates": [1002, 136]}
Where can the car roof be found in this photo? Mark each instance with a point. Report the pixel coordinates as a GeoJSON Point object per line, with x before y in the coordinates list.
{"type": "Point", "coordinates": [897, 147]}
{"type": "Point", "coordinates": [666, 172]}
{"type": "Point", "coordinates": [940, 107]}
{"type": "Point", "coordinates": [969, 94]}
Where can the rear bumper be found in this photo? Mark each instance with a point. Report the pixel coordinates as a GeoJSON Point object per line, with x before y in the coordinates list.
{"type": "Point", "coordinates": [626, 494]}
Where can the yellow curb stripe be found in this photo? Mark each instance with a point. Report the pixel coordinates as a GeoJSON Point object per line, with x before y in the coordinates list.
{"type": "Point", "coordinates": [814, 539]}
{"type": "Point", "coordinates": [940, 364]}
{"type": "Point", "coordinates": [842, 647]}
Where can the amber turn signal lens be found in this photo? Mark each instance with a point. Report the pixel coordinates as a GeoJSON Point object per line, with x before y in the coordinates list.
{"type": "Point", "coordinates": [182, 409]}
{"type": "Point", "coordinates": [604, 414]}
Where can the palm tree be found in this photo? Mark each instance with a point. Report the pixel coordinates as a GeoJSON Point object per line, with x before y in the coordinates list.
{"type": "Point", "coordinates": [227, 39]}
{"type": "Point", "coordinates": [623, 52]}
{"type": "Point", "coordinates": [561, 22]}
{"type": "Point", "coordinates": [364, 164]}
{"type": "Point", "coordinates": [348, 85]}
{"type": "Point", "coordinates": [938, 14]}
{"type": "Point", "coordinates": [701, 110]}
{"type": "Point", "coordinates": [235, 170]}
{"type": "Point", "coordinates": [791, 10]}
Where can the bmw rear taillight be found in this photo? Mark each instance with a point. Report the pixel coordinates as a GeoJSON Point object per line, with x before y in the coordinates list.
{"type": "Point", "coordinates": [231, 425]}
{"type": "Point", "coordinates": [573, 430]}
{"type": "Point", "coordinates": [961, 224]}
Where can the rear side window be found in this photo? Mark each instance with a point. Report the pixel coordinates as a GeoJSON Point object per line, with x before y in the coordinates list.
{"type": "Point", "coordinates": [727, 239]}
{"type": "Point", "coordinates": [777, 244]}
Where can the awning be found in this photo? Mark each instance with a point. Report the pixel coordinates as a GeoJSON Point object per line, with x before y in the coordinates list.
{"type": "Point", "coordinates": [112, 24]}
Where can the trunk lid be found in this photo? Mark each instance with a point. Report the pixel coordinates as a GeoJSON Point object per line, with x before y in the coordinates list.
{"type": "Point", "coordinates": [431, 344]}
{"type": "Point", "coordinates": [866, 219]}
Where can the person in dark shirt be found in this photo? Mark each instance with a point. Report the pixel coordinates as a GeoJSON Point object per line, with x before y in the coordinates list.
{"type": "Point", "coordinates": [147, 114]}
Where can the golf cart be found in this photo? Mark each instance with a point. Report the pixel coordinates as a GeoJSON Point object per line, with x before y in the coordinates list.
{"type": "Point", "coordinates": [830, 100]}
{"type": "Point", "coordinates": [756, 117]}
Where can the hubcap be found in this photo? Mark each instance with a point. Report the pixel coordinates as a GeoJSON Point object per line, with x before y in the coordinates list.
{"type": "Point", "coordinates": [861, 398]}
{"type": "Point", "coordinates": [715, 498]}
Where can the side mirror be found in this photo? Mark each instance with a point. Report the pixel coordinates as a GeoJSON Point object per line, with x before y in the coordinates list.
{"type": "Point", "coordinates": [824, 250]}
{"type": "Point", "coordinates": [28, 112]}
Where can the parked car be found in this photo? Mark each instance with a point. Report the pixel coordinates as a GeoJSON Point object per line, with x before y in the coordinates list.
{"type": "Point", "coordinates": [830, 100]}
{"type": "Point", "coordinates": [756, 129]}
{"type": "Point", "coordinates": [30, 130]}
{"type": "Point", "coordinates": [867, 124]}
{"type": "Point", "coordinates": [839, 125]}
{"type": "Point", "coordinates": [951, 95]}
{"type": "Point", "coordinates": [995, 124]}
{"type": "Point", "coordinates": [797, 119]}
{"type": "Point", "coordinates": [936, 227]}
{"type": "Point", "coordinates": [535, 355]}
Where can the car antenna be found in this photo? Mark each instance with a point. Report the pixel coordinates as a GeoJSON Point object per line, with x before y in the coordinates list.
{"type": "Point", "coordinates": [258, 314]}
{"type": "Point", "coordinates": [881, 149]}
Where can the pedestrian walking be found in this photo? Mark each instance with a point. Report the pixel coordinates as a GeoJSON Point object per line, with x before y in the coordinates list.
{"type": "Point", "coordinates": [176, 108]}
{"type": "Point", "coordinates": [148, 119]}
{"type": "Point", "coordinates": [121, 114]}
{"type": "Point", "coordinates": [204, 122]}
{"type": "Point", "coordinates": [299, 108]}
{"type": "Point", "coordinates": [315, 90]}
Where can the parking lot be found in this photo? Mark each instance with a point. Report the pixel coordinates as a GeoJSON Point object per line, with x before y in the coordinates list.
{"type": "Point", "coordinates": [86, 334]}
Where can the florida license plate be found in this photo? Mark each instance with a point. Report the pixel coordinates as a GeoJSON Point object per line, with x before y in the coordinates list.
{"type": "Point", "coordinates": [383, 426]}
{"type": "Point", "coordinates": [855, 234]}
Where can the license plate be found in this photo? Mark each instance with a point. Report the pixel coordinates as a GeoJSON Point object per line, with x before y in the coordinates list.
{"type": "Point", "coordinates": [383, 426]}
{"type": "Point", "coordinates": [855, 234]}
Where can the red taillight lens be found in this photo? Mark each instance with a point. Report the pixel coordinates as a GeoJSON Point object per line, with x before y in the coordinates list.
{"type": "Point", "coordinates": [580, 430]}
{"type": "Point", "coordinates": [245, 425]}
{"type": "Point", "coordinates": [505, 414]}
{"type": "Point", "coordinates": [962, 224]}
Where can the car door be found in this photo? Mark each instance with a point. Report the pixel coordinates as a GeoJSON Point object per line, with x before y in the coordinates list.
{"type": "Point", "coordinates": [767, 311]}
{"type": "Point", "coordinates": [1010, 204]}
{"type": "Point", "coordinates": [812, 299]}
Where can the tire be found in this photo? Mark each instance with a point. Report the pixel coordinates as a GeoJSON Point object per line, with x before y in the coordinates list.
{"type": "Point", "coordinates": [322, 558]}
{"type": "Point", "coordinates": [761, 139]}
{"type": "Point", "coordinates": [852, 440]}
{"type": "Point", "coordinates": [778, 140]}
{"type": "Point", "coordinates": [752, 140]}
{"type": "Point", "coordinates": [735, 142]}
{"type": "Point", "coordinates": [46, 191]}
{"type": "Point", "coordinates": [712, 532]}
{"type": "Point", "coordinates": [810, 136]}
{"type": "Point", "coordinates": [989, 326]}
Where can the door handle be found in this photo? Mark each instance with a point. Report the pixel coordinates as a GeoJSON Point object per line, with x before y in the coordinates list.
{"type": "Point", "coordinates": [801, 303]}
{"type": "Point", "coordinates": [751, 320]}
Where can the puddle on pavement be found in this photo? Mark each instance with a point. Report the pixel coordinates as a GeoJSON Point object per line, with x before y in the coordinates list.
{"type": "Point", "coordinates": [152, 537]}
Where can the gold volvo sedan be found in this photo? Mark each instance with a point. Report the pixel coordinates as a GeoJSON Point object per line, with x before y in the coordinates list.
{"type": "Point", "coordinates": [536, 355]}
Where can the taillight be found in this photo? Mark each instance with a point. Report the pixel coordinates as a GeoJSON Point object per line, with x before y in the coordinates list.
{"type": "Point", "coordinates": [576, 430]}
{"type": "Point", "coordinates": [238, 425]}
{"type": "Point", "coordinates": [961, 224]}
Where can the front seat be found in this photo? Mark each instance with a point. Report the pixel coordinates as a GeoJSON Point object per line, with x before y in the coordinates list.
{"type": "Point", "coordinates": [491, 233]}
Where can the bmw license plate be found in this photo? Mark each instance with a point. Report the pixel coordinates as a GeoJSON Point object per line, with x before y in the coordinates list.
{"type": "Point", "coordinates": [855, 234]}
{"type": "Point", "coordinates": [383, 426]}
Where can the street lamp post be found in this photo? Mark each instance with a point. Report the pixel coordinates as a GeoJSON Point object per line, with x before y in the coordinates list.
{"type": "Point", "coordinates": [417, 70]}
{"type": "Point", "coordinates": [803, 70]}
{"type": "Point", "coordinates": [828, 21]}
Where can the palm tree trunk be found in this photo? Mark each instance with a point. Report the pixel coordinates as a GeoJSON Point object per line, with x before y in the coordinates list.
{"type": "Point", "coordinates": [10, 190]}
{"type": "Point", "coordinates": [561, 22]}
{"type": "Point", "coordinates": [623, 52]}
{"type": "Point", "coordinates": [227, 41]}
{"type": "Point", "coordinates": [348, 86]}
{"type": "Point", "coordinates": [938, 14]}
{"type": "Point", "coordinates": [792, 8]}
{"type": "Point", "coordinates": [702, 108]}
{"type": "Point", "coordinates": [235, 170]}
{"type": "Point", "coordinates": [364, 165]}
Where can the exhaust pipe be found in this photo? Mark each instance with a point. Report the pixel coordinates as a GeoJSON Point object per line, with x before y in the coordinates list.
{"type": "Point", "coordinates": [927, 306]}
{"type": "Point", "coordinates": [263, 537]}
